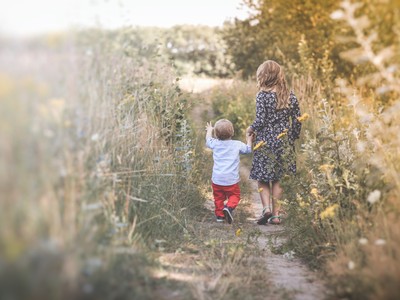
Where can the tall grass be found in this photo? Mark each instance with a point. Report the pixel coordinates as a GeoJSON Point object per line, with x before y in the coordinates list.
{"type": "Point", "coordinates": [342, 206]}
{"type": "Point", "coordinates": [96, 166]}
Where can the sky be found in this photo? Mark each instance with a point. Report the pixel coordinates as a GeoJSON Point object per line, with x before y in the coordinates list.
{"type": "Point", "coordinates": [28, 17]}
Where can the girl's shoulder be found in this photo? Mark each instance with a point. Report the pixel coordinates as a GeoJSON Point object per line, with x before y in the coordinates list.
{"type": "Point", "coordinates": [266, 93]}
{"type": "Point", "coordinates": [266, 96]}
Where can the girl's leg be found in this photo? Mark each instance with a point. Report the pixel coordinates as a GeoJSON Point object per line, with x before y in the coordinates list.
{"type": "Point", "coordinates": [265, 195]}
{"type": "Point", "coordinates": [276, 195]}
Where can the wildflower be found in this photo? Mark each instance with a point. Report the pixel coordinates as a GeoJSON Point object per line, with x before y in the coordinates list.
{"type": "Point", "coordinates": [282, 134]}
{"type": "Point", "coordinates": [259, 145]}
{"type": "Point", "coordinates": [363, 241]}
{"type": "Point", "coordinates": [351, 265]}
{"type": "Point", "coordinates": [238, 232]}
{"type": "Point", "coordinates": [67, 123]}
{"type": "Point", "coordinates": [289, 255]}
{"type": "Point", "coordinates": [337, 15]}
{"type": "Point", "coordinates": [314, 192]}
{"type": "Point", "coordinates": [361, 146]}
{"type": "Point", "coordinates": [374, 196]}
{"type": "Point", "coordinates": [302, 204]}
{"type": "Point", "coordinates": [325, 168]}
{"type": "Point", "coordinates": [329, 212]}
{"type": "Point", "coordinates": [303, 117]}
{"type": "Point", "coordinates": [260, 190]}
{"type": "Point", "coordinates": [95, 137]}
{"type": "Point", "coordinates": [57, 103]}
{"type": "Point", "coordinates": [380, 242]}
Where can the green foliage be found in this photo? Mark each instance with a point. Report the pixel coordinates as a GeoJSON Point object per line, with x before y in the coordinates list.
{"type": "Point", "coordinates": [100, 155]}
{"type": "Point", "coordinates": [235, 103]}
{"type": "Point", "coordinates": [275, 30]}
{"type": "Point", "coordinates": [191, 50]}
{"type": "Point", "coordinates": [305, 37]}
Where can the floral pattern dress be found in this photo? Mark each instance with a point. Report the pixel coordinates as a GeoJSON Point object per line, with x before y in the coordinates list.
{"type": "Point", "coordinates": [278, 128]}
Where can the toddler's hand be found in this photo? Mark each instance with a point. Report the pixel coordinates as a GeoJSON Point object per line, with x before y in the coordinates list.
{"type": "Point", "coordinates": [249, 138]}
{"type": "Point", "coordinates": [209, 126]}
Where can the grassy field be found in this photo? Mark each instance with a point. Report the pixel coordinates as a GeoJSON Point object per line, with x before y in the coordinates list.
{"type": "Point", "coordinates": [104, 177]}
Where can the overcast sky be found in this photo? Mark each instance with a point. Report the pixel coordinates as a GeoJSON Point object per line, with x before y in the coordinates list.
{"type": "Point", "coordinates": [26, 17]}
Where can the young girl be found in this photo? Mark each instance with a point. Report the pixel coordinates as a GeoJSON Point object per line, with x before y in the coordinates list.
{"type": "Point", "coordinates": [277, 127]}
{"type": "Point", "coordinates": [225, 175]}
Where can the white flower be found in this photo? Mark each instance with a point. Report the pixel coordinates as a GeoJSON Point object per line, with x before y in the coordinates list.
{"type": "Point", "coordinates": [337, 15]}
{"type": "Point", "coordinates": [363, 241]}
{"type": "Point", "coordinates": [95, 137]}
{"type": "Point", "coordinates": [254, 22]}
{"type": "Point", "coordinates": [374, 196]}
{"type": "Point", "coordinates": [361, 146]}
{"type": "Point", "coordinates": [380, 242]}
{"type": "Point", "coordinates": [351, 265]}
{"type": "Point", "coordinates": [289, 255]}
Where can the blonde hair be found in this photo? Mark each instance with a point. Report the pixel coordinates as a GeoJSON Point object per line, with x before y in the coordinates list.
{"type": "Point", "coordinates": [270, 76]}
{"type": "Point", "coordinates": [223, 129]}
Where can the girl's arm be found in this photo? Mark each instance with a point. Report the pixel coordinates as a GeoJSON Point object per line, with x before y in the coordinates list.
{"type": "Point", "coordinates": [294, 132]}
{"type": "Point", "coordinates": [259, 122]}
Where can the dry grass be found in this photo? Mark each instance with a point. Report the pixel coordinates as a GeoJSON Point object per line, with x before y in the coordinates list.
{"type": "Point", "coordinates": [96, 165]}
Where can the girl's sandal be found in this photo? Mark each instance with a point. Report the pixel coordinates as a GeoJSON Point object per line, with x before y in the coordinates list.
{"type": "Point", "coordinates": [270, 220]}
{"type": "Point", "coordinates": [263, 220]}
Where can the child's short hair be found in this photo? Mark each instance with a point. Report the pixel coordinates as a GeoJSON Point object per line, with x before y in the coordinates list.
{"type": "Point", "coordinates": [224, 129]}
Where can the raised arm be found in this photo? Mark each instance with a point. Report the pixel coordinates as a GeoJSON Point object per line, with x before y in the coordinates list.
{"type": "Point", "coordinates": [209, 129]}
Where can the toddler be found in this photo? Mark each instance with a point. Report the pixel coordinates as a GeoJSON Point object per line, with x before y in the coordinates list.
{"type": "Point", "coordinates": [225, 174]}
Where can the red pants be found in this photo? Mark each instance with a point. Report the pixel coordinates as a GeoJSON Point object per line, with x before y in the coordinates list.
{"type": "Point", "coordinates": [221, 193]}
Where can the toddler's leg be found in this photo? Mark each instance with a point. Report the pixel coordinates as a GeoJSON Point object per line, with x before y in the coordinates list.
{"type": "Point", "coordinates": [219, 198]}
{"type": "Point", "coordinates": [233, 194]}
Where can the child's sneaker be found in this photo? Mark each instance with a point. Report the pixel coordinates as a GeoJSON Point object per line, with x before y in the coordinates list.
{"type": "Point", "coordinates": [220, 219]}
{"type": "Point", "coordinates": [228, 213]}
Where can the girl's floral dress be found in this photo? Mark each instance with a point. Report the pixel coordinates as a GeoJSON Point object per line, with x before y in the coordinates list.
{"type": "Point", "coordinates": [278, 129]}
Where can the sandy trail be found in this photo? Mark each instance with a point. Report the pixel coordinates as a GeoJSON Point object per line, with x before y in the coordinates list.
{"type": "Point", "coordinates": [287, 271]}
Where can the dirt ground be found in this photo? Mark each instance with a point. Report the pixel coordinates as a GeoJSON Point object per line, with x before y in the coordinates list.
{"type": "Point", "coordinates": [238, 261]}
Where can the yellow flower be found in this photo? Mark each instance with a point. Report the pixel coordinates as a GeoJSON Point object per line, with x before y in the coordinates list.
{"type": "Point", "coordinates": [314, 192]}
{"type": "Point", "coordinates": [325, 168]}
{"type": "Point", "coordinates": [57, 103]}
{"type": "Point", "coordinates": [329, 212]}
{"type": "Point", "coordinates": [259, 145]}
{"type": "Point", "coordinates": [260, 190]}
{"type": "Point", "coordinates": [238, 232]}
{"type": "Point", "coordinates": [303, 117]}
{"type": "Point", "coordinates": [282, 134]}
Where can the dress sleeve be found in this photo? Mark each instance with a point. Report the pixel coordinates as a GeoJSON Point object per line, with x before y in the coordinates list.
{"type": "Point", "coordinates": [261, 111]}
{"type": "Point", "coordinates": [294, 132]}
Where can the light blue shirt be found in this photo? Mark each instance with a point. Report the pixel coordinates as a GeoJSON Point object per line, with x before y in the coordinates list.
{"type": "Point", "coordinates": [226, 155]}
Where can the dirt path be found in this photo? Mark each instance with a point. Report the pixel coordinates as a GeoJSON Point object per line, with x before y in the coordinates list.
{"type": "Point", "coordinates": [287, 271]}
